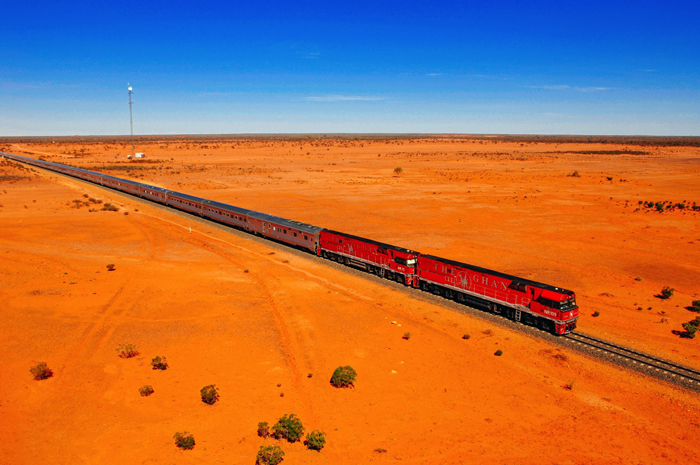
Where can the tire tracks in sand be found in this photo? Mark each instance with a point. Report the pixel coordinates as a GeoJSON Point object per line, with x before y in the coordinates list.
{"type": "Point", "coordinates": [295, 342]}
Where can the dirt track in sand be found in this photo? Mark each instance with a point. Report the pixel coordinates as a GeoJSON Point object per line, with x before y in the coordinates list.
{"type": "Point", "coordinates": [435, 398]}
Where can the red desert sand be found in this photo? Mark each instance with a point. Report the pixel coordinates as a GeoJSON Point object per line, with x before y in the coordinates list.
{"type": "Point", "coordinates": [268, 325]}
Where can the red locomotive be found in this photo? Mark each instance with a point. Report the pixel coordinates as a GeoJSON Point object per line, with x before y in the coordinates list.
{"type": "Point", "coordinates": [388, 261]}
{"type": "Point", "coordinates": [551, 308]}
{"type": "Point", "coordinates": [548, 307]}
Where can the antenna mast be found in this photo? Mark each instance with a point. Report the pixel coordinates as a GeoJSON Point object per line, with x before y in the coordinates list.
{"type": "Point", "coordinates": [131, 120]}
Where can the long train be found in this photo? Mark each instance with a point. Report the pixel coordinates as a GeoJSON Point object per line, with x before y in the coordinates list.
{"type": "Point", "coordinates": [551, 308]}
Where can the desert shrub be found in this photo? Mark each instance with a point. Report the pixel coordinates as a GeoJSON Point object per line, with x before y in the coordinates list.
{"type": "Point", "coordinates": [146, 390]}
{"type": "Point", "coordinates": [127, 350]}
{"type": "Point", "coordinates": [638, 278]}
{"type": "Point", "coordinates": [570, 385]}
{"type": "Point", "coordinates": [498, 353]}
{"type": "Point", "coordinates": [691, 328]}
{"type": "Point", "coordinates": [288, 427]}
{"type": "Point", "coordinates": [575, 174]}
{"type": "Point", "coordinates": [184, 440]}
{"type": "Point", "coordinates": [109, 207]}
{"type": "Point", "coordinates": [466, 336]}
{"type": "Point", "coordinates": [210, 394]}
{"type": "Point", "coordinates": [111, 267]}
{"type": "Point", "coordinates": [41, 371]}
{"type": "Point", "coordinates": [406, 336]}
{"type": "Point", "coordinates": [263, 429]}
{"type": "Point", "coordinates": [343, 377]}
{"type": "Point", "coordinates": [695, 307]}
{"type": "Point", "coordinates": [269, 455]}
{"type": "Point", "coordinates": [596, 314]}
{"type": "Point", "coordinates": [667, 292]}
{"type": "Point", "coordinates": [398, 170]}
{"type": "Point", "coordinates": [159, 363]}
{"type": "Point", "coordinates": [315, 440]}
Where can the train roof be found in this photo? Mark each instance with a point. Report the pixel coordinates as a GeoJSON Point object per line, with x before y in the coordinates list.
{"type": "Point", "coordinates": [310, 228]}
{"type": "Point", "coordinates": [377, 243]}
{"type": "Point", "coordinates": [186, 196]}
{"type": "Point", "coordinates": [227, 207]}
{"type": "Point", "coordinates": [499, 274]}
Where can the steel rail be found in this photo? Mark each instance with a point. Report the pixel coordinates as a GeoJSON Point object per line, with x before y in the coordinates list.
{"type": "Point", "coordinates": [636, 356]}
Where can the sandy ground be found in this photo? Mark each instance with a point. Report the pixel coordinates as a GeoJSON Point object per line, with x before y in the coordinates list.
{"type": "Point", "coordinates": [435, 398]}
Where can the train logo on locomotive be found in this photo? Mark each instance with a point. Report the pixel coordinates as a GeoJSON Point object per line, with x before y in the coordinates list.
{"type": "Point", "coordinates": [464, 281]}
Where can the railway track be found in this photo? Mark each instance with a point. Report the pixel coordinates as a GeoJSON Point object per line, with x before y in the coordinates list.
{"type": "Point", "coordinates": [643, 362]}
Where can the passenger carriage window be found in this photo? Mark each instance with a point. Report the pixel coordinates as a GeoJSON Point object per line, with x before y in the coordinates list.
{"type": "Point", "coordinates": [295, 234]}
{"type": "Point", "coordinates": [306, 238]}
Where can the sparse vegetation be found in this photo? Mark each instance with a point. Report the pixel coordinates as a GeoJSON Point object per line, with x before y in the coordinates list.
{"type": "Point", "coordinates": [146, 390]}
{"type": "Point", "coordinates": [498, 353]}
{"type": "Point", "coordinates": [596, 314]}
{"type": "Point", "coordinates": [466, 336]}
{"type": "Point", "coordinates": [406, 336]}
{"type": "Point", "coordinates": [575, 174]}
{"type": "Point", "coordinates": [398, 170]}
{"type": "Point", "coordinates": [344, 377]}
{"type": "Point", "coordinates": [691, 328]}
{"type": "Point", "coordinates": [288, 427]}
{"type": "Point", "coordinates": [695, 307]}
{"type": "Point", "coordinates": [269, 455]}
{"type": "Point", "coordinates": [184, 440]}
{"type": "Point", "coordinates": [667, 292]}
{"type": "Point", "coordinates": [127, 350]}
{"type": "Point", "coordinates": [210, 394]}
{"type": "Point", "coordinates": [111, 267]}
{"type": "Point", "coordinates": [41, 371]}
{"type": "Point", "coordinates": [109, 207]}
{"type": "Point", "coordinates": [570, 385]}
{"type": "Point", "coordinates": [315, 440]}
{"type": "Point", "coordinates": [263, 429]}
{"type": "Point", "coordinates": [638, 278]}
{"type": "Point", "coordinates": [159, 363]}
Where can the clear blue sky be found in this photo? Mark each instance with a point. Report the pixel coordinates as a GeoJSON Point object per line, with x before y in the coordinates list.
{"type": "Point", "coordinates": [550, 67]}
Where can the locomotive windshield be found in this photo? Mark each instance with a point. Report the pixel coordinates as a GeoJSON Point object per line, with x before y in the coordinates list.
{"type": "Point", "coordinates": [407, 262]}
{"type": "Point", "coordinates": [567, 304]}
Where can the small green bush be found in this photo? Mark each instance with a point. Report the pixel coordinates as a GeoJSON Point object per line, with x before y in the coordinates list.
{"type": "Point", "coordinates": [159, 363]}
{"type": "Point", "coordinates": [109, 207]}
{"type": "Point", "coordinates": [695, 307]}
{"type": "Point", "coordinates": [288, 427]}
{"type": "Point", "coordinates": [691, 328]}
{"type": "Point", "coordinates": [41, 371]}
{"type": "Point", "coordinates": [596, 314]}
{"type": "Point", "coordinates": [638, 278]}
{"type": "Point", "coordinates": [667, 292]}
{"type": "Point", "coordinates": [184, 440]}
{"type": "Point", "coordinates": [406, 336]}
{"type": "Point", "coordinates": [127, 350]}
{"type": "Point", "coordinates": [343, 377]}
{"type": "Point", "coordinates": [498, 353]}
{"type": "Point", "coordinates": [111, 267]}
{"type": "Point", "coordinates": [269, 455]}
{"type": "Point", "coordinates": [263, 429]}
{"type": "Point", "coordinates": [210, 394]}
{"type": "Point", "coordinates": [315, 440]}
{"type": "Point", "coordinates": [466, 336]}
{"type": "Point", "coordinates": [146, 390]}
{"type": "Point", "coordinates": [398, 170]}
